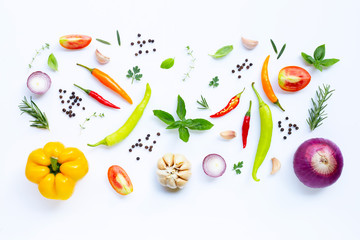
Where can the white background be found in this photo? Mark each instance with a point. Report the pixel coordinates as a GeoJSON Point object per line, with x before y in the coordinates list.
{"type": "Point", "coordinates": [233, 206]}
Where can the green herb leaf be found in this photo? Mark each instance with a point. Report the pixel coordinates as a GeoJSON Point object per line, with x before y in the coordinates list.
{"type": "Point", "coordinates": [52, 62]}
{"type": "Point", "coordinates": [329, 62]}
{"type": "Point", "coordinates": [318, 66]}
{"type": "Point", "coordinates": [309, 59]}
{"type": "Point", "coordinates": [118, 37]}
{"type": "Point", "coordinates": [214, 82]}
{"type": "Point", "coordinates": [134, 74]}
{"type": "Point", "coordinates": [136, 69]}
{"type": "Point", "coordinates": [181, 110]}
{"type": "Point", "coordinates": [222, 52]}
{"type": "Point", "coordinates": [274, 46]}
{"type": "Point", "coordinates": [168, 63]}
{"type": "Point", "coordinates": [164, 116]}
{"type": "Point", "coordinates": [319, 52]}
{"type": "Point", "coordinates": [130, 74]}
{"type": "Point", "coordinates": [138, 76]}
{"type": "Point", "coordinates": [184, 134]}
{"type": "Point", "coordinates": [237, 167]}
{"type": "Point", "coordinates": [40, 119]}
{"type": "Point", "coordinates": [281, 51]}
{"type": "Point", "coordinates": [103, 41]}
{"type": "Point", "coordinates": [200, 124]}
{"type": "Point", "coordinates": [174, 125]}
{"type": "Point", "coordinates": [203, 103]}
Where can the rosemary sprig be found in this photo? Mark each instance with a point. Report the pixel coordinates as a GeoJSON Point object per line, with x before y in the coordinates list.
{"type": "Point", "coordinates": [275, 49]}
{"type": "Point", "coordinates": [103, 41]}
{"type": "Point", "coordinates": [33, 110]}
{"type": "Point", "coordinates": [192, 64]}
{"type": "Point", "coordinates": [317, 112]}
{"type": "Point", "coordinates": [203, 103]}
{"type": "Point", "coordinates": [273, 45]}
{"type": "Point", "coordinates": [46, 46]}
{"type": "Point", "coordinates": [118, 37]}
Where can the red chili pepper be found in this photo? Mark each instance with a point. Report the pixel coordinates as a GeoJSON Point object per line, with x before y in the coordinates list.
{"type": "Point", "coordinates": [98, 98]}
{"type": "Point", "coordinates": [230, 106]}
{"type": "Point", "coordinates": [245, 126]}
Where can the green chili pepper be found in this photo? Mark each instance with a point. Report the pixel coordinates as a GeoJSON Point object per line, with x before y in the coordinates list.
{"type": "Point", "coordinates": [266, 124]}
{"type": "Point", "coordinates": [129, 125]}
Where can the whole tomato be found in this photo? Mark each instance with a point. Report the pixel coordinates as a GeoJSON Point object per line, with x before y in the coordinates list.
{"type": "Point", "coordinates": [293, 78]}
{"type": "Point", "coordinates": [75, 41]}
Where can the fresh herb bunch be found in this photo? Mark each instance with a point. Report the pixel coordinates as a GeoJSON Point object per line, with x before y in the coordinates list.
{"type": "Point", "coordinates": [46, 46]}
{"type": "Point", "coordinates": [318, 60]}
{"type": "Point", "coordinates": [134, 74]}
{"type": "Point", "coordinates": [192, 64]}
{"type": "Point", "coordinates": [237, 167]}
{"type": "Point", "coordinates": [275, 49]}
{"type": "Point", "coordinates": [203, 103]}
{"type": "Point", "coordinates": [214, 82]}
{"type": "Point", "coordinates": [183, 124]}
{"type": "Point", "coordinates": [101, 115]}
{"type": "Point", "coordinates": [33, 110]}
{"type": "Point", "coordinates": [317, 112]}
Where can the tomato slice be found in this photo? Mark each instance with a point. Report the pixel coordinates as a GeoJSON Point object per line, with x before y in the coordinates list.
{"type": "Point", "coordinates": [75, 41]}
{"type": "Point", "coordinates": [119, 180]}
{"type": "Point", "coordinates": [293, 78]}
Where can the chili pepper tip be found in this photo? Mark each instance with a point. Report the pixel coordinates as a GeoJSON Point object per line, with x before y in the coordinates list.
{"type": "Point", "coordinates": [102, 142]}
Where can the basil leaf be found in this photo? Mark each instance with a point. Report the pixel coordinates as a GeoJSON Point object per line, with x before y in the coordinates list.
{"type": "Point", "coordinates": [222, 52]}
{"type": "Point", "coordinates": [168, 63]}
{"type": "Point", "coordinates": [181, 110]}
{"type": "Point", "coordinates": [200, 124]}
{"type": "Point", "coordinates": [184, 134]}
{"type": "Point", "coordinates": [52, 62]}
{"type": "Point", "coordinates": [318, 66]}
{"type": "Point", "coordinates": [164, 116]}
{"type": "Point", "coordinates": [319, 52]}
{"type": "Point", "coordinates": [174, 125]}
{"type": "Point", "coordinates": [187, 122]}
{"type": "Point", "coordinates": [309, 59]}
{"type": "Point", "coordinates": [329, 62]}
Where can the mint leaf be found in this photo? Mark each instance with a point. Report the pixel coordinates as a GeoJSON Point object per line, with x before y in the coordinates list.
{"type": "Point", "coordinates": [319, 52]}
{"type": "Point", "coordinates": [329, 62]}
{"type": "Point", "coordinates": [164, 116]}
{"type": "Point", "coordinates": [181, 110]}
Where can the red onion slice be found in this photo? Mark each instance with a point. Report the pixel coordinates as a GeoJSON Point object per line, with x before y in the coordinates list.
{"type": "Point", "coordinates": [214, 165]}
{"type": "Point", "coordinates": [38, 82]}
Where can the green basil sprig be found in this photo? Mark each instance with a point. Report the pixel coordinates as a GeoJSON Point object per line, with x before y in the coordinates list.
{"type": "Point", "coordinates": [168, 63]}
{"type": "Point", "coordinates": [222, 52]}
{"type": "Point", "coordinates": [52, 62]}
{"type": "Point", "coordinates": [183, 124]}
{"type": "Point", "coordinates": [318, 60]}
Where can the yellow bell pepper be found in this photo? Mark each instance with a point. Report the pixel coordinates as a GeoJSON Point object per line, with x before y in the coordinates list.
{"type": "Point", "coordinates": [56, 169]}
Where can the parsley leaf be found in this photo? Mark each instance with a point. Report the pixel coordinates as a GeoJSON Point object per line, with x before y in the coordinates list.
{"type": "Point", "coordinates": [134, 74]}
{"type": "Point", "coordinates": [237, 167]}
{"type": "Point", "coordinates": [214, 82]}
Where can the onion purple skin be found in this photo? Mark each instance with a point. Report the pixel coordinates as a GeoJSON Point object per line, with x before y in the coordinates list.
{"type": "Point", "coordinates": [306, 172]}
{"type": "Point", "coordinates": [205, 167]}
{"type": "Point", "coordinates": [41, 75]}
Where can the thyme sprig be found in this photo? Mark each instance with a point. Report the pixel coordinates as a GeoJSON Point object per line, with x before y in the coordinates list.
{"type": "Point", "coordinates": [203, 103]}
{"type": "Point", "coordinates": [192, 63]}
{"type": "Point", "coordinates": [33, 110]}
{"type": "Point", "coordinates": [101, 115]}
{"type": "Point", "coordinates": [317, 112]}
{"type": "Point", "coordinates": [46, 46]}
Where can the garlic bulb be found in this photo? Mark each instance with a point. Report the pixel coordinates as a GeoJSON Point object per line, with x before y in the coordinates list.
{"type": "Point", "coordinates": [173, 170]}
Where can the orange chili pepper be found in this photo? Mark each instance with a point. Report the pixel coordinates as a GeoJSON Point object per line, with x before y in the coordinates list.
{"type": "Point", "coordinates": [266, 84]}
{"type": "Point", "coordinates": [108, 82]}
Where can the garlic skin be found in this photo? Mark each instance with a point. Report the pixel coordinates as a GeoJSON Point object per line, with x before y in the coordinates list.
{"type": "Point", "coordinates": [101, 58]}
{"type": "Point", "coordinates": [248, 43]}
{"type": "Point", "coordinates": [229, 134]}
{"type": "Point", "coordinates": [276, 165]}
{"type": "Point", "coordinates": [174, 170]}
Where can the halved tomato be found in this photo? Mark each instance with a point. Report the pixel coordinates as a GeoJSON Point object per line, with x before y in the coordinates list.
{"type": "Point", "coordinates": [119, 180]}
{"type": "Point", "coordinates": [75, 41]}
{"type": "Point", "coordinates": [293, 78]}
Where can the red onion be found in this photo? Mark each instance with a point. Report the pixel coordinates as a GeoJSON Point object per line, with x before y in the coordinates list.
{"type": "Point", "coordinates": [214, 165]}
{"type": "Point", "coordinates": [318, 162]}
{"type": "Point", "coordinates": [38, 82]}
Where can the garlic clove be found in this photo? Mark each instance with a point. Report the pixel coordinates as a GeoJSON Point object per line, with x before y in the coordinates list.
{"type": "Point", "coordinates": [185, 175]}
{"type": "Point", "coordinates": [180, 182]}
{"type": "Point", "coordinates": [162, 173]}
{"type": "Point", "coordinates": [163, 181]}
{"type": "Point", "coordinates": [229, 134]}
{"type": "Point", "coordinates": [171, 183]}
{"type": "Point", "coordinates": [168, 159]}
{"type": "Point", "coordinates": [185, 166]}
{"type": "Point", "coordinates": [248, 43]}
{"type": "Point", "coordinates": [101, 58]}
{"type": "Point", "coordinates": [161, 164]}
{"type": "Point", "coordinates": [276, 165]}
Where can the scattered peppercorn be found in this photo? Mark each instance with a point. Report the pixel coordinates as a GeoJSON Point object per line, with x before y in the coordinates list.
{"type": "Point", "coordinates": [154, 142]}
{"type": "Point", "coordinates": [68, 101]}
{"type": "Point", "coordinates": [146, 147]}
{"type": "Point", "coordinates": [247, 67]}
{"type": "Point", "coordinates": [138, 158]}
{"type": "Point", "coordinates": [132, 44]}
{"type": "Point", "coordinates": [144, 41]}
{"type": "Point", "coordinates": [132, 146]}
{"type": "Point", "coordinates": [64, 110]}
{"type": "Point", "coordinates": [130, 150]}
{"type": "Point", "coordinates": [83, 108]}
{"type": "Point", "coordinates": [250, 64]}
{"type": "Point", "coordinates": [287, 118]}
{"type": "Point", "coordinates": [233, 71]}
{"type": "Point", "coordinates": [70, 107]}
{"type": "Point", "coordinates": [239, 76]}
{"type": "Point", "coordinates": [136, 144]}
{"type": "Point", "coordinates": [284, 137]}
{"type": "Point", "coordinates": [60, 90]}
{"type": "Point", "coordinates": [282, 129]}
{"type": "Point", "coordinates": [78, 104]}
{"type": "Point", "coordinates": [158, 134]}
{"type": "Point", "coordinates": [64, 91]}
{"type": "Point", "coordinates": [147, 51]}
{"type": "Point", "coordinates": [290, 125]}
{"type": "Point", "coordinates": [154, 49]}
{"type": "Point", "coordinates": [138, 42]}
{"type": "Point", "coordinates": [60, 97]}
{"type": "Point", "coordinates": [141, 45]}
{"type": "Point", "coordinates": [140, 145]}
{"type": "Point", "coordinates": [139, 35]}
{"type": "Point", "coordinates": [140, 52]}
{"type": "Point", "coordinates": [246, 60]}
{"type": "Point", "coordinates": [136, 54]}
{"type": "Point", "coordinates": [62, 101]}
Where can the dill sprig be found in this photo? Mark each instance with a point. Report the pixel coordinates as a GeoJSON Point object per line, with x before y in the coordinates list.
{"type": "Point", "coordinates": [46, 46]}
{"type": "Point", "coordinates": [203, 103]}
{"type": "Point", "coordinates": [192, 64]}
{"type": "Point", "coordinates": [317, 112]}
{"type": "Point", "coordinates": [33, 110]}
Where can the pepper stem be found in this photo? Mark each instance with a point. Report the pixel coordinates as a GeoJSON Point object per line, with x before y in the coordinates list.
{"type": "Point", "coordinates": [248, 112]}
{"type": "Point", "coordinates": [85, 90]}
{"type": "Point", "coordinates": [54, 165]}
{"type": "Point", "coordinates": [90, 69]}
{"type": "Point", "coordinates": [257, 94]}
{"type": "Point", "coordinates": [102, 142]}
{"type": "Point", "coordinates": [238, 95]}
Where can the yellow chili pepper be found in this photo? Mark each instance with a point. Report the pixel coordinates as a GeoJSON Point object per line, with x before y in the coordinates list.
{"type": "Point", "coordinates": [56, 169]}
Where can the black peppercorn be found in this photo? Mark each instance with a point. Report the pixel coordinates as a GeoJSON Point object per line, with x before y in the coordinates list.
{"type": "Point", "coordinates": [132, 146]}
{"type": "Point", "coordinates": [282, 129]}
{"type": "Point", "coordinates": [138, 42]}
{"type": "Point", "coordinates": [250, 64]}
{"type": "Point", "coordinates": [83, 108]}
{"type": "Point", "coordinates": [60, 90]}
{"type": "Point", "coordinates": [158, 134]}
{"type": "Point", "coordinates": [68, 101]}
{"type": "Point", "coordinates": [154, 49]}
{"type": "Point", "coordinates": [243, 64]}
{"type": "Point", "coordinates": [130, 150]}
{"type": "Point", "coordinates": [246, 60]}
{"type": "Point", "coordinates": [78, 104]}
{"type": "Point", "coordinates": [140, 52]}
{"type": "Point", "coordinates": [140, 145]}
{"type": "Point", "coordinates": [64, 91]}
{"type": "Point", "coordinates": [287, 118]}
{"type": "Point", "coordinates": [146, 147]}
{"type": "Point", "coordinates": [239, 76]}
{"type": "Point", "coordinates": [136, 54]}
{"type": "Point", "coordinates": [147, 51]}
{"type": "Point", "coordinates": [64, 110]}
{"type": "Point", "coordinates": [138, 158]}
{"type": "Point", "coordinates": [149, 40]}
{"type": "Point", "coordinates": [80, 99]}
{"type": "Point", "coordinates": [233, 71]}
{"type": "Point", "coordinates": [132, 44]}
{"type": "Point", "coordinates": [141, 45]}
{"type": "Point", "coordinates": [238, 66]}
{"type": "Point", "coordinates": [70, 107]}
{"type": "Point", "coordinates": [290, 125]}
{"type": "Point", "coordinates": [62, 101]}
{"type": "Point", "coordinates": [60, 97]}
{"type": "Point", "coordinates": [285, 137]}
{"type": "Point", "coordinates": [144, 41]}
{"type": "Point", "coordinates": [297, 128]}
{"type": "Point", "coordinates": [154, 142]}
{"type": "Point", "coordinates": [247, 67]}
{"type": "Point", "coordinates": [139, 35]}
